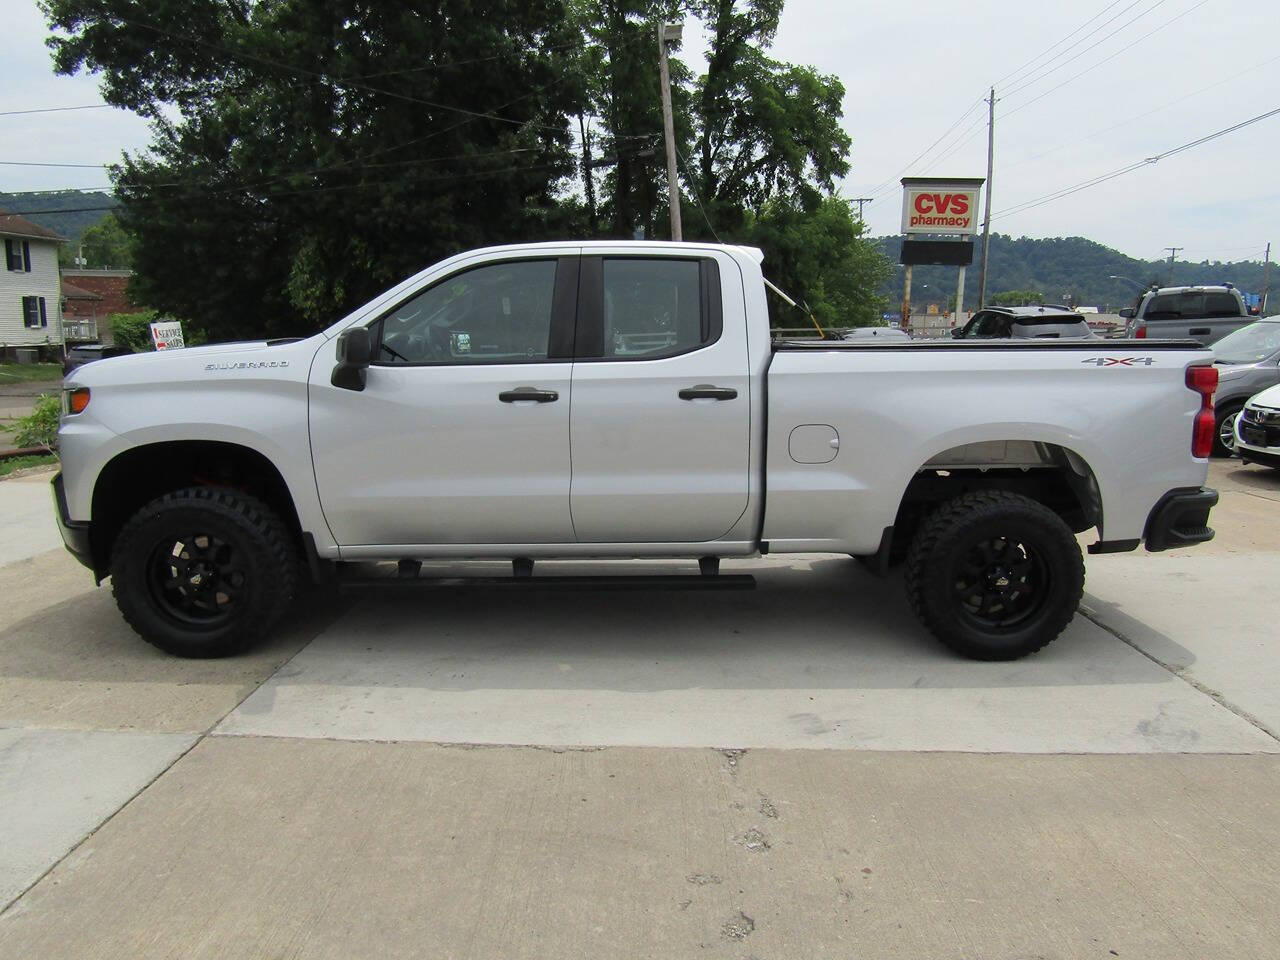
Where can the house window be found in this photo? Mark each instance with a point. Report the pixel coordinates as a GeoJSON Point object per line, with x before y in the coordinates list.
{"type": "Point", "coordinates": [33, 313]}
{"type": "Point", "coordinates": [17, 255]}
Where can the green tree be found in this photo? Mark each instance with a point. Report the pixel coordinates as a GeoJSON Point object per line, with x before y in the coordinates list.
{"type": "Point", "coordinates": [106, 244]}
{"type": "Point", "coordinates": [817, 254]}
{"type": "Point", "coordinates": [324, 149]}
{"type": "Point", "coordinates": [1016, 298]}
{"type": "Point", "coordinates": [763, 129]}
{"type": "Point", "coordinates": [620, 127]}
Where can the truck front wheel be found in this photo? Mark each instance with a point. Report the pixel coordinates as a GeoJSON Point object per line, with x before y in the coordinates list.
{"type": "Point", "coordinates": [994, 575]}
{"type": "Point", "coordinates": [203, 572]}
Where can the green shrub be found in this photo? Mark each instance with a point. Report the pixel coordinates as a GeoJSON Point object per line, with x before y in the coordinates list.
{"type": "Point", "coordinates": [40, 427]}
{"type": "Point", "coordinates": [133, 329]}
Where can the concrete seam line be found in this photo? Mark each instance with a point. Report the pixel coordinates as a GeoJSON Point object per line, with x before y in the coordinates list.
{"type": "Point", "coordinates": [200, 738]}
{"type": "Point", "coordinates": [88, 836]}
{"type": "Point", "coordinates": [1192, 682]}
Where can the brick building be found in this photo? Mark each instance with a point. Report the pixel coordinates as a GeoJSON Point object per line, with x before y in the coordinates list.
{"type": "Point", "coordinates": [96, 295]}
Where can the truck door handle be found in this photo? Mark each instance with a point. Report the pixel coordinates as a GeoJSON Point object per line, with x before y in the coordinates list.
{"type": "Point", "coordinates": [705, 391]}
{"type": "Point", "coordinates": [525, 394]}
{"type": "Point", "coordinates": [1200, 331]}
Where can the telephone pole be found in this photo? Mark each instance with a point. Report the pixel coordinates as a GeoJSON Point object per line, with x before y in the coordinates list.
{"type": "Point", "coordinates": [986, 216]}
{"type": "Point", "coordinates": [1266, 280]}
{"type": "Point", "coordinates": [669, 33]}
{"type": "Point", "coordinates": [1173, 252]}
{"type": "Point", "coordinates": [860, 201]}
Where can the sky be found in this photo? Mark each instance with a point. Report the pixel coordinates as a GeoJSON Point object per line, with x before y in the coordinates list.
{"type": "Point", "coordinates": [1133, 80]}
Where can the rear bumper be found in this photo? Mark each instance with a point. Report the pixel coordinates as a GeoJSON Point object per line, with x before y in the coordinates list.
{"type": "Point", "coordinates": [1181, 519]}
{"type": "Point", "coordinates": [75, 535]}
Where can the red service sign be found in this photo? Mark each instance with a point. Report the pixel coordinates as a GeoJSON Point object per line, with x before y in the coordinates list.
{"type": "Point", "coordinates": [940, 207]}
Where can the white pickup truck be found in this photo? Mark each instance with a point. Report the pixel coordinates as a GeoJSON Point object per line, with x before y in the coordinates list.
{"type": "Point", "coordinates": [623, 400]}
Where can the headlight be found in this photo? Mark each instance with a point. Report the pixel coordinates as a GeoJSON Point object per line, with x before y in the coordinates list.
{"type": "Point", "coordinates": [75, 400]}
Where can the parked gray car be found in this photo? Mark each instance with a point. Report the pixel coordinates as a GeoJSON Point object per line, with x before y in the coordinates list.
{"type": "Point", "coordinates": [1248, 362]}
{"type": "Point", "coordinates": [1199, 313]}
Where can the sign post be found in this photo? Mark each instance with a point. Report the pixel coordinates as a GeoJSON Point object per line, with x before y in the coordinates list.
{"type": "Point", "coordinates": [939, 206]}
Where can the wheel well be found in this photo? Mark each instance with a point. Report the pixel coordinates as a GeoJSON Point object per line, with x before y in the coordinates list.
{"type": "Point", "coordinates": [140, 475]}
{"type": "Point", "coordinates": [1047, 473]}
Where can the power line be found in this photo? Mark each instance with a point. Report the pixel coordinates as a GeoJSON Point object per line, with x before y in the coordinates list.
{"type": "Point", "coordinates": [87, 106]}
{"type": "Point", "coordinates": [240, 55]}
{"type": "Point", "coordinates": [1037, 77]}
{"type": "Point", "coordinates": [1107, 58]}
{"type": "Point", "coordinates": [466, 175]}
{"type": "Point", "coordinates": [1103, 178]}
{"type": "Point", "coordinates": [1008, 76]}
{"type": "Point", "coordinates": [1141, 116]}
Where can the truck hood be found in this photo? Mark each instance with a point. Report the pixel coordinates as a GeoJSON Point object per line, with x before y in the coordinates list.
{"type": "Point", "coordinates": [164, 365]}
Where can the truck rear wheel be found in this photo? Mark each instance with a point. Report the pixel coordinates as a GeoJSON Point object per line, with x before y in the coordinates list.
{"type": "Point", "coordinates": [994, 575]}
{"type": "Point", "coordinates": [203, 572]}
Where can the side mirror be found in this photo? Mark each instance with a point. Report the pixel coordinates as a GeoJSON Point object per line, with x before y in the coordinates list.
{"type": "Point", "coordinates": [1127, 312]}
{"type": "Point", "coordinates": [355, 353]}
{"type": "Point", "coordinates": [957, 333]}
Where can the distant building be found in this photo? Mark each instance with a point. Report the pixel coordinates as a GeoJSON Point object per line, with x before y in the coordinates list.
{"type": "Point", "coordinates": [110, 287]}
{"type": "Point", "coordinates": [82, 313]}
{"type": "Point", "coordinates": [30, 294]}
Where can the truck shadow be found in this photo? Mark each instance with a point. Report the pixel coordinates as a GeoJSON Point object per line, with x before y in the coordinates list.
{"type": "Point", "coordinates": [812, 622]}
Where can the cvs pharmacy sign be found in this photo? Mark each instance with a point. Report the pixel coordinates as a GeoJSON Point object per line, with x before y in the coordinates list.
{"type": "Point", "coordinates": [940, 206]}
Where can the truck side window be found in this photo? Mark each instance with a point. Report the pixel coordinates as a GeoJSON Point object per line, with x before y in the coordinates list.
{"type": "Point", "coordinates": [496, 313]}
{"type": "Point", "coordinates": [652, 307]}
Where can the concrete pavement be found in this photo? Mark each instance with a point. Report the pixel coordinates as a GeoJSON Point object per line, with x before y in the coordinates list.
{"type": "Point", "coordinates": [1116, 795]}
{"type": "Point", "coordinates": [255, 847]}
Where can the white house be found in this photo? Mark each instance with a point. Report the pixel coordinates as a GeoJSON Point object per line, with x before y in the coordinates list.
{"type": "Point", "coordinates": [30, 288]}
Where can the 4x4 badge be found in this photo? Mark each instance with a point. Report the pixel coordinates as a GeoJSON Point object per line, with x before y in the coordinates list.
{"type": "Point", "coordinates": [1119, 361]}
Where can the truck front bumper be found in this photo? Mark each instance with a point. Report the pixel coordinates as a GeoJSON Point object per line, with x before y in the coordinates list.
{"type": "Point", "coordinates": [1181, 519]}
{"type": "Point", "coordinates": [74, 534]}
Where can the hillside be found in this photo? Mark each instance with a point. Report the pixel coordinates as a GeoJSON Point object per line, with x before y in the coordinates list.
{"type": "Point", "coordinates": [83, 209]}
{"type": "Point", "coordinates": [1061, 267]}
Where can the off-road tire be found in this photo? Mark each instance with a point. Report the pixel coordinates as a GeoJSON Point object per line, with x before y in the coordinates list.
{"type": "Point", "coordinates": [937, 566]}
{"type": "Point", "coordinates": [266, 572]}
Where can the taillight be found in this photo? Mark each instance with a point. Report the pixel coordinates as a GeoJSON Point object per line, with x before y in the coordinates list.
{"type": "Point", "coordinates": [1140, 332]}
{"type": "Point", "coordinates": [77, 399]}
{"type": "Point", "coordinates": [1203, 380]}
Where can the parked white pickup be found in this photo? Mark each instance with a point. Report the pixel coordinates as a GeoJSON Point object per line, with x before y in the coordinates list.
{"type": "Point", "coordinates": [583, 400]}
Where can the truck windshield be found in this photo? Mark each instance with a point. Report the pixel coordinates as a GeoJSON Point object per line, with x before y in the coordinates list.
{"type": "Point", "coordinates": [1249, 344]}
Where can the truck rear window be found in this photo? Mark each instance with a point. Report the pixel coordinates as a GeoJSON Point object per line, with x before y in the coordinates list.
{"type": "Point", "coordinates": [1191, 305]}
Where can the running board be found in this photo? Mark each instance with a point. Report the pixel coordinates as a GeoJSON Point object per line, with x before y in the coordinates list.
{"type": "Point", "coordinates": [732, 581]}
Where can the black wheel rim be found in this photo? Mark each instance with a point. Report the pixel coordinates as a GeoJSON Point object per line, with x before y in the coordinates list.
{"type": "Point", "coordinates": [197, 579]}
{"type": "Point", "coordinates": [1000, 583]}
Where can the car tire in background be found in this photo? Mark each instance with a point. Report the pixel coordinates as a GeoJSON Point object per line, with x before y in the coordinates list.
{"type": "Point", "coordinates": [1224, 428]}
{"type": "Point", "coordinates": [204, 572]}
{"type": "Point", "coordinates": [994, 575]}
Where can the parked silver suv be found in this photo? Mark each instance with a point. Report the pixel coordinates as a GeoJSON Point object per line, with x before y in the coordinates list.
{"type": "Point", "coordinates": [1202, 313]}
{"type": "Point", "coordinates": [1248, 362]}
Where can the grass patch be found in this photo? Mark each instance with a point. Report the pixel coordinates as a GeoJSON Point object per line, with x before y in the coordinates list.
{"type": "Point", "coordinates": [29, 372]}
{"type": "Point", "coordinates": [21, 463]}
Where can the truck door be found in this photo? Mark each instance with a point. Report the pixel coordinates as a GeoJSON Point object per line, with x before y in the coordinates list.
{"type": "Point", "coordinates": [660, 420]}
{"type": "Point", "coordinates": [461, 434]}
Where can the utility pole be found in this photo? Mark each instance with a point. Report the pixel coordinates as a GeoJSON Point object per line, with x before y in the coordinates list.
{"type": "Point", "coordinates": [1173, 252]}
{"type": "Point", "coordinates": [669, 33]}
{"type": "Point", "coordinates": [986, 217]}
{"type": "Point", "coordinates": [860, 201]}
{"type": "Point", "coordinates": [1266, 280]}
